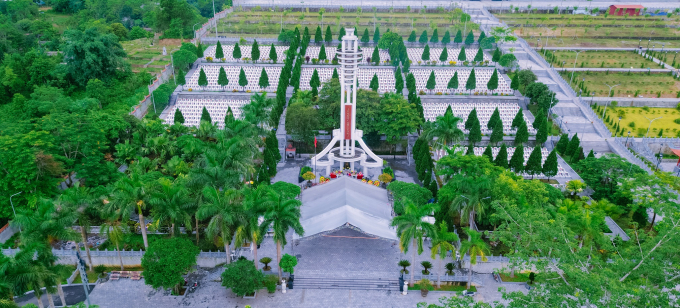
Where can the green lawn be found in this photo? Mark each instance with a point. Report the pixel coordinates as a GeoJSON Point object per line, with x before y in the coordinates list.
{"type": "Point", "coordinates": [140, 52]}
{"type": "Point", "coordinates": [519, 277]}
{"type": "Point", "coordinates": [637, 115]}
{"type": "Point", "coordinates": [135, 242]}
{"type": "Point", "coordinates": [599, 59]}
{"type": "Point", "coordinates": [60, 21]}
{"type": "Point", "coordinates": [630, 84]}
{"type": "Point", "coordinates": [91, 277]}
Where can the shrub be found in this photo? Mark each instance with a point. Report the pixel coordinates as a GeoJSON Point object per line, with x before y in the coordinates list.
{"type": "Point", "coordinates": [385, 178]}
{"type": "Point", "coordinates": [288, 263]}
{"type": "Point", "coordinates": [309, 176]}
{"type": "Point", "coordinates": [270, 283]}
{"type": "Point", "coordinates": [266, 261]}
{"type": "Point", "coordinates": [305, 169]}
{"type": "Point", "coordinates": [242, 277]}
{"type": "Point", "coordinates": [426, 265]}
{"type": "Point", "coordinates": [100, 270]}
{"type": "Point", "coordinates": [404, 264]}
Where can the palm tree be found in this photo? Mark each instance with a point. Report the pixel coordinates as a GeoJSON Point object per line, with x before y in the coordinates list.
{"type": "Point", "coordinates": [112, 229]}
{"type": "Point", "coordinates": [171, 203]}
{"type": "Point", "coordinates": [79, 200]}
{"type": "Point", "coordinates": [248, 227]}
{"type": "Point", "coordinates": [41, 225]}
{"type": "Point", "coordinates": [257, 112]}
{"type": "Point", "coordinates": [475, 247]}
{"type": "Point", "coordinates": [21, 273]}
{"type": "Point", "coordinates": [441, 244]}
{"type": "Point", "coordinates": [222, 209]}
{"type": "Point", "coordinates": [445, 128]}
{"type": "Point", "coordinates": [281, 214]}
{"type": "Point", "coordinates": [411, 228]}
{"type": "Point", "coordinates": [471, 198]}
{"type": "Point", "coordinates": [130, 193]}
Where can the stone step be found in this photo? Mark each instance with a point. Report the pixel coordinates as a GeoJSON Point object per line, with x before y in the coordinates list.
{"type": "Point", "coordinates": [346, 283]}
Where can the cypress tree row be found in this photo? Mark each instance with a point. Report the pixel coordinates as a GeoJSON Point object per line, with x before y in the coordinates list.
{"type": "Point", "coordinates": [496, 55]}
{"type": "Point", "coordinates": [375, 57]}
{"type": "Point", "coordinates": [514, 84]}
{"type": "Point", "coordinates": [322, 53]}
{"type": "Point", "coordinates": [181, 78]}
{"type": "Point", "coordinates": [412, 36]}
{"type": "Point", "coordinates": [519, 118]}
{"type": "Point", "coordinates": [493, 81]}
{"type": "Point", "coordinates": [497, 132]}
{"type": "Point", "coordinates": [573, 146]}
{"type": "Point", "coordinates": [329, 35]}
{"type": "Point", "coordinates": [271, 153]}
{"type": "Point", "coordinates": [475, 133]}
{"type": "Point", "coordinates": [229, 117]}
{"type": "Point", "coordinates": [502, 157]}
{"type": "Point", "coordinates": [335, 74]}
{"type": "Point", "coordinates": [318, 37]}
{"type": "Point", "coordinates": [242, 80]}
{"type": "Point", "coordinates": [179, 117]}
{"type": "Point", "coordinates": [495, 118]}
{"type": "Point", "coordinates": [202, 78]}
{"type": "Point", "coordinates": [431, 81]}
{"type": "Point", "coordinates": [376, 35]}
{"type": "Point", "coordinates": [470, 38]}
{"type": "Point", "coordinates": [472, 117]}
{"type": "Point", "coordinates": [481, 37]}
{"type": "Point", "coordinates": [341, 34]}
{"type": "Point", "coordinates": [411, 84]}
{"type": "Point", "coordinates": [542, 132]}
{"type": "Point", "coordinates": [374, 83]}
{"type": "Point", "coordinates": [236, 54]}
{"type": "Point", "coordinates": [365, 38]}
{"type": "Point", "coordinates": [479, 57]}
{"type": "Point", "coordinates": [591, 154]}
{"type": "Point", "coordinates": [517, 160]}
{"type": "Point", "coordinates": [471, 83]}
{"type": "Point", "coordinates": [255, 52]}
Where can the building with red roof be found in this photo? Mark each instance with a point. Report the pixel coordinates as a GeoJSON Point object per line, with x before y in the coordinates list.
{"type": "Point", "coordinates": [625, 9]}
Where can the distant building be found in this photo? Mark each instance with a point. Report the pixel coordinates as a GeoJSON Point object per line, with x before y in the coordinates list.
{"type": "Point", "coordinates": [625, 9]}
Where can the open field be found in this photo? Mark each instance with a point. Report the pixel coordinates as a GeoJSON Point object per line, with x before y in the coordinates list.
{"type": "Point", "coordinates": [630, 84]}
{"type": "Point", "coordinates": [594, 31]}
{"type": "Point", "coordinates": [141, 54]}
{"type": "Point", "coordinates": [599, 59]}
{"type": "Point", "coordinates": [640, 116]}
{"type": "Point", "coordinates": [269, 24]}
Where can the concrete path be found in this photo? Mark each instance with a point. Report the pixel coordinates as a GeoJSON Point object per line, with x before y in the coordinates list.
{"type": "Point", "coordinates": [598, 69]}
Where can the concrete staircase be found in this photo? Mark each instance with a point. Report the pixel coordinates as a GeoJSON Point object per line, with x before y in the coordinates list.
{"type": "Point", "coordinates": [374, 284]}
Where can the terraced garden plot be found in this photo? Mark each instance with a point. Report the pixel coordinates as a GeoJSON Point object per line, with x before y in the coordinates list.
{"type": "Point", "coordinates": [631, 84]}
{"type": "Point", "coordinates": [599, 59]}
{"type": "Point", "coordinates": [268, 24]}
{"type": "Point", "coordinates": [594, 31]}
{"type": "Point", "coordinates": [141, 55]}
{"type": "Point", "coordinates": [637, 115]}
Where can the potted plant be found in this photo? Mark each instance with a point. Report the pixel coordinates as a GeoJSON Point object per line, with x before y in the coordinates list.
{"type": "Point", "coordinates": [449, 268]}
{"type": "Point", "coordinates": [266, 261]}
{"type": "Point", "coordinates": [425, 287]}
{"type": "Point", "coordinates": [404, 264]}
{"type": "Point", "coordinates": [309, 176]}
{"type": "Point", "coordinates": [303, 170]}
{"type": "Point", "coordinates": [426, 265]}
{"type": "Point", "coordinates": [385, 178]}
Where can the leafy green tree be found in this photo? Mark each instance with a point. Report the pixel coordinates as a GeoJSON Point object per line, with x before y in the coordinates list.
{"type": "Point", "coordinates": [517, 160]}
{"type": "Point", "coordinates": [412, 36]}
{"type": "Point", "coordinates": [479, 57]}
{"type": "Point", "coordinates": [236, 54]}
{"type": "Point", "coordinates": [242, 277]}
{"type": "Point", "coordinates": [375, 58]}
{"type": "Point", "coordinates": [441, 244]}
{"type": "Point", "coordinates": [322, 53]}
{"type": "Point", "coordinates": [550, 166]}
{"type": "Point", "coordinates": [318, 36]}
{"type": "Point", "coordinates": [502, 157]}
{"type": "Point", "coordinates": [374, 83]}
{"type": "Point", "coordinates": [137, 32]}
{"type": "Point", "coordinates": [222, 78]}
{"type": "Point", "coordinates": [461, 54]}
{"type": "Point", "coordinates": [264, 79]}
{"type": "Point", "coordinates": [376, 35]}
{"type": "Point", "coordinates": [219, 53]}
{"type": "Point", "coordinates": [179, 118]}
{"type": "Point", "coordinates": [412, 229]}
{"type": "Point", "coordinates": [242, 80]}
{"type": "Point", "coordinates": [329, 34]}
{"type": "Point", "coordinates": [444, 56]}
{"type": "Point", "coordinates": [398, 81]}
{"type": "Point", "coordinates": [496, 55]}
{"type": "Point", "coordinates": [573, 146]}
{"type": "Point", "coordinates": [431, 81]}
{"type": "Point", "coordinates": [497, 132]}
{"type": "Point", "coordinates": [130, 193]}
{"type": "Point", "coordinates": [426, 53]}
{"type": "Point", "coordinates": [435, 36]}
{"type": "Point", "coordinates": [447, 38]}
{"type": "Point", "coordinates": [170, 201]}
{"type": "Point", "coordinates": [533, 166]}
{"type": "Point", "coordinates": [522, 135]}
{"type": "Point", "coordinates": [487, 42]}
{"type": "Point", "coordinates": [167, 260]}
{"type": "Point", "coordinates": [459, 37]}
{"type": "Point", "coordinates": [453, 82]}
{"type": "Point", "coordinates": [80, 47]}
{"type": "Point", "coordinates": [423, 37]}
{"type": "Point", "coordinates": [445, 128]}
{"type": "Point", "coordinates": [527, 77]}
{"type": "Point", "coordinates": [470, 38]}
{"type": "Point", "coordinates": [281, 215]}
{"type": "Point", "coordinates": [474, 247]}
{"type": "Point", "coordinates": [288, 263]}
{"type": "Point", "coordinates": [205, 115]}
{"type": "Point", "coordinates": [220, 207]}
{"type": "Point", "coordinates": [507, 60]}
{"type": "Point", "coordinates": [272, 53]}
{"type": "Point", "coordinates": [202, 79]}
{"type": "Point", "coordinates": [471, 82]}
{"type": "Point", "coordinates": [397, 117]}
{"type": "Point", "coordinates": [475, 134]}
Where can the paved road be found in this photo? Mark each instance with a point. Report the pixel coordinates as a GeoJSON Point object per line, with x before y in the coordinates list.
{"type": "Point", "coordinates": [74, 294]}
{"type": "Point", "coordinates": [472, 4]}
{"type": "Point", "coordinates": [603, 48]}
{"type": "Point", "coordinates": [593, 69]}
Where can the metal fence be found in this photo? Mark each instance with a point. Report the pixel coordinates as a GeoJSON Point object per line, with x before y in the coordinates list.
{"type": "Point", "coordinates": [448, 278]}
{"type": "Point", "coordinates": [619, 148]}
{"type": "Point", "coordinates": [114, 253]}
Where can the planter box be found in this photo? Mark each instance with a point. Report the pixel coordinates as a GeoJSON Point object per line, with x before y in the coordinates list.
{"type": "Point", "coordinates": [250, 296]}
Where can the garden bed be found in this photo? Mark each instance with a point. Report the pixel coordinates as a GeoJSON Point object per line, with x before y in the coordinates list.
{"type": "Point", "coordinates": [519, 277]}
{"type": "Point", "coordinates": [599, 59]}
{"type": "Point", "coordinates": [630, 84]}
{"type": "Point", "coordinates": [637, 115]}
{"type": "Point", "coordinates": [445, 288]}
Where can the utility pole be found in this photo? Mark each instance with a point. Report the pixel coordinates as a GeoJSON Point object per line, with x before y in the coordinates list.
{"type": "Point", "coordinates": [215, 20]}
{"type": "Point", "coordinates": [12, 203]}
{"type": "Point", "coordinates": [572, 72]}
{"type": "Point", "coordinates": [650, 124]}
{"type": "Point", "coordinates": [83, 277]}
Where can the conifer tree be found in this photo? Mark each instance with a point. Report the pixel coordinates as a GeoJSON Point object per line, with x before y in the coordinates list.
{"type": "Point", "coordinates": [181, 78]}
{"type": "Point", "coordinates": [202, 78]}
{"type": "Point", "coordinates": [264, 79]}
{"type": "Point", "coordinates": [497, 132]}
{"type": "Point", "coordinates": [219, 53]}
{"type": "Point", "coordinates": [426, 53]}
{"type": "Point", "coordinates": [242, 80]}
{"type": "Point", "coordinates": [179, 117]}
{"type": "Point", "coordinates": [447, 38]}
{"type": "Point", "coordinates": [335, 73]}
{"type": "Point", "coordinates": [542, 132]}
{"type": "Point", "coordinates": [229, 117]}
{"type": "Point", "coordinates": [411, 83]}
{"type": "Point", "coordinates": [375, 57]}
{"type": "Point", "coordinates": [329, 34]}
{"type": "Point", "coordinates": [573, 146]}
{"type": "Point", "coordinates": [591, 154]}
{"type": "Point", "coordinates": [459, 37]}
{"type": "Point", "coordinates": [423, 37]}
{"type": "Point", "coordinates": [205, 115]}
{"type": "Point", "coordinates": [431, 81]}
{"type": "Point", "coordinates": [517, 160]}
{"type": "Point", "coordinates": [412, 37]}
{"type": "Point", "coordinates": [406, 64]}
{"type": "Point", "coordinates": [577, 156]}
{"type": "Point", "coordinates": [199, 50]}
{"type": "Point", "coordinates": [374, 83]}
{"type": "Point", "coordinates": [481, 37]}
{"type": "Point", "coordinates": [444, 56]}
{"type": "Point", "coordinates": [562, 144]}
{"type": "Point", "coordinates": [461, 54]}
{"type": "Point", "coordinates": [453, 82]}
{"type": "Point", "coordinates": [479, 57]}
{"type": "Point", "coordinates": [376, 35]}
{"type": "Point", "coordinates": [475, 133]}
{"type": "Point", "coordinates": [470, 150]}
{"type": "Point", "coordinates": [488, 153]}
{"type": "Point", "coordinates": [272, 53]}
{"type": "Point", "coordinates": [255, 53]}
{"type": "Point", "coordinates": [519, 118]}
{"type": "Point", "coordinates": [550, 166]}
{"type": "Point", "coordinates": [540, 115]}
{"type": "Point", "coordinates": [470, 38]}
{"type": "Point", "coordinates": [365, 38]}
{"type": "Point", "coordinates": [222, 78]}
{"type": "Point", "coordinates": [435, 36]}
{"type": "Point", "coordinates": [315, 82]}
{"type": "Point", "coordinates": [471, 83]}
{"type": "Point", "coordinates": [236, 54]}
{"type": "Point", "coordinates": [502, 157]}
{"type": "Point", "coordinates": [496, 55]}
{"type": "Point", "coordinates": [322, 53]}
{"type": "Point", "coordinates": [341, 34]}
{"type": "Point", "coordinates": [398, 81]}
{"type": "Point", "coordinates": [522, 135]}
{"type": "Point", "coordinates": [533, 166]}
{"type": "Point", "coordinates": [495, 118]}
{"type": "Point", "coordinates": [514, 84]}
{"type": "Point", "coordinates": [472, 117]}
{"type": "Point", "coordinates": [318, 36]}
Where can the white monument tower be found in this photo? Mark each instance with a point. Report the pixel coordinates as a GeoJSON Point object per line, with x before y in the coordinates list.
{"type": "Point", "coordinates": [349, 57]}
